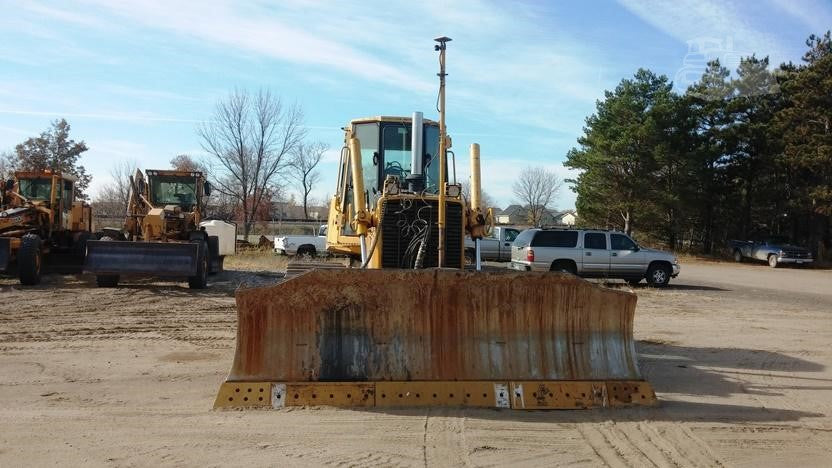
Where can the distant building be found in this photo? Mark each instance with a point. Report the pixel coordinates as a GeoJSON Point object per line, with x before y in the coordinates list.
{"type": "Point", "coordinates": [519, 215]}
{"type": "Point", "coordinates": [286, 210]}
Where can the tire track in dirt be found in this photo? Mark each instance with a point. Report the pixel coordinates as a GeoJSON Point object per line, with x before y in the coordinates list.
{"type": "Point", "coordinates": [623, 444]}
{"type": "Point", "coordinates": [444, 440]}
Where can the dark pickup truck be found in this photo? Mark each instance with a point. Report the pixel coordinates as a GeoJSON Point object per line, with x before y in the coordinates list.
{"type": "Point", "coordinates": [775, 250]}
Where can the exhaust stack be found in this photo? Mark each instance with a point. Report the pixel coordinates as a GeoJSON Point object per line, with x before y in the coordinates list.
{"type": "Point", "coordinates": [416, 179]}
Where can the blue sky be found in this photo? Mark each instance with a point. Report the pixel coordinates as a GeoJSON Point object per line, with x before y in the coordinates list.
{"type": "Point", "coordinates": [134, 78]}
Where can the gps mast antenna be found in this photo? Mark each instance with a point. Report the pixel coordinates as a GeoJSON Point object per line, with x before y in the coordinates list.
{"type": "Point", "coordinates": [443, 147]}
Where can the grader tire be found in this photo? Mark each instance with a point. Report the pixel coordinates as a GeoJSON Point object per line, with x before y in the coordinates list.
{"type": "Point", "coordinates": [29, 260]}
{"type": "Point", "coordinates": [106, 281]}
{"type": "Point", "coordinates": [200, 280]}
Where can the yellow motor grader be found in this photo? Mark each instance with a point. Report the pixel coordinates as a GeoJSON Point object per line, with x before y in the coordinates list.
{"type": "Point", "coordinates": [161, 235]}
{"type": "Point", "coordinates": [411, 327]}
{"type": "Point", "coordinates": [40, 217]}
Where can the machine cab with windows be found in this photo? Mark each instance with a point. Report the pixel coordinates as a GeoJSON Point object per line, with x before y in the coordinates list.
{"type": "Point", "coordinates": [400, 169]}
{"type": "Point", "coordinates": [54, 191]}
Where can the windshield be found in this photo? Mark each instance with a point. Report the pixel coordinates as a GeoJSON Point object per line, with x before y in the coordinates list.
{"type": "Point", "coordinates": [37, 189]}
{"type": "Point", "coordinates": [395, 155]}
{"type": "Point", "coordinates": [172, 190]}
{"type": "Point", "coordinates": [776, 240]}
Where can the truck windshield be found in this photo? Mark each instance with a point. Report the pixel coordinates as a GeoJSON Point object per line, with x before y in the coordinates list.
{"type": "Point", "coordinates": [173, 190]}
{"type": "Point", "coordinates": [37, 189]}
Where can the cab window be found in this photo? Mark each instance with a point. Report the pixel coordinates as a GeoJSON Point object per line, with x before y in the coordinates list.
{"type": "Point", "coordinates": [511, 234]}
{"type": "Point", "coordinates": [397, 154]}
{"type": "Point", "coordinates": [367, 135]}
{"type": "Point", "coordinates": [621, 242]}
{"type": "Point", "coordinates": [595, 240]}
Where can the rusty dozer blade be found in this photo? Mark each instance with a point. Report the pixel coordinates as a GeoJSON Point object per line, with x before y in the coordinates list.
{"type": "Point", "coordinates": [435, 338]}
{"type": "Point", "coordinates": [5, 253]}
{"type": "Point", "coordinates": [141, 258]}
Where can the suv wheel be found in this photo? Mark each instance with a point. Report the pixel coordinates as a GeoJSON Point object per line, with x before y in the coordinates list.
{"type": "Point", "coordinates": [564, 267]}
{"type": "Point", "coordinates": [737, 256]}
{"type": "Point", "coordinates": [772, 261]}
{"type": "Point", "coordinates": [658, 275]}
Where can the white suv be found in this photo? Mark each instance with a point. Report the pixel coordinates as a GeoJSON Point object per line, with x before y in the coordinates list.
{"type": "Point", "coordinates": [592, 253]}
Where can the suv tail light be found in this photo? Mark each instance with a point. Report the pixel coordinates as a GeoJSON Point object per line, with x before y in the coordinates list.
{"type": "Point", "coordinates": [530, 255]}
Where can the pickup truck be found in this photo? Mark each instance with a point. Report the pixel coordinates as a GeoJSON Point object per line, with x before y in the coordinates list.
{"type": "Point", "coordinates": [775, 250]}
{"type": "Point", "coordinates": [495, 248]}
{"type": "Point", "coordinates": [302, 245]}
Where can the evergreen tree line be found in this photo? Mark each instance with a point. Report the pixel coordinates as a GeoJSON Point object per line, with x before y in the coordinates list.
{"type": "Point", "coordinates": [733, 156]}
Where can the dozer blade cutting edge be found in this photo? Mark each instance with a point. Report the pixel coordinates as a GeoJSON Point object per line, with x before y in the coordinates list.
{"type": "Point", "coordinates": [5, 253]}
{"type": "Point", "coordinates": [142, 258]}
{"type": "Point", "coordinates": [435, 338]}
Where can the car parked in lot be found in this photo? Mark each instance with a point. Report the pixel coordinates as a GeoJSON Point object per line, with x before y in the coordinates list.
{"type": "Point", "coordinates": [302, 245]}
{"type": "Point", "coordinates": [494, 248]}
{"type": "Point", "coordinates": [774, 250]}
{"type": "Point", "coordinates": [592, 253]}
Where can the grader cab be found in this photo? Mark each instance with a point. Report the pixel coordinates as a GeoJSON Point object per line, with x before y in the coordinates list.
{"type": "Point", "coordinates": [41, 218]}
{"type": "Point", "coordinates": [411, 327]}
{"type": "Point", "coordinates": [161, 234]}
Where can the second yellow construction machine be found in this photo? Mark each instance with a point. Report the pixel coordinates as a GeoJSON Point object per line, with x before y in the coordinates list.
{"type": "Point", "coordinates": [411, 327]}
{"type": "Point", "coordinates": [40, 218]}
{"type": "Point", "coordinates": [161, 234]}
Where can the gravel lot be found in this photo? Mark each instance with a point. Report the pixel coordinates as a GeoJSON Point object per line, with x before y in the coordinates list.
{"type": "Point", "coordinates": [739, 355]}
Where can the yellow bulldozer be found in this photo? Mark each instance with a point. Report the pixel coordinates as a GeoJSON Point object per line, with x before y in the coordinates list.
{"type": "Point", "coordinates": [411, 326]}
{"type": "Point", "coordinates": [161, 234]}
{"type": "Point", "coordinates": [40, 218]}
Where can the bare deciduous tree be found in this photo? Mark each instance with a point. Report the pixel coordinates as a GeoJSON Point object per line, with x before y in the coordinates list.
{"type": "Point", "coordinates": [8, 164]}
{"type": "Point", "coordinates": [112, 199]}
{"type": "Point", "coordinates": [536, 189]}
{"type": "Point", "coordinates": [306, 158]}
{"type": "Point", "coordinates": [184, 162]}
{"type": "Point", "coordinates": [249, 139]}
{"type": "Point", "coordinates": [486, 200]}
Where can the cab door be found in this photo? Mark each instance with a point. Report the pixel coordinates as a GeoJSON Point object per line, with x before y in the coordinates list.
{"type": "Point", "coordinates": [596, 254]}
{"type": "Point", "coordinates": [67, 195]}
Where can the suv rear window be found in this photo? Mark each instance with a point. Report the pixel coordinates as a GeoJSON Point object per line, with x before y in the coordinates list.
{"type": "Point", "coordinates": [523, 239]}
{"type": "Point", "coordinates": [555, 239]}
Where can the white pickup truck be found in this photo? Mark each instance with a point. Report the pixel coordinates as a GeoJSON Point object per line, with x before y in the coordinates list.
{"type": "Point", "coordinates": [495, 248]}
{"type": "Point", "coordinates": [302, 245]}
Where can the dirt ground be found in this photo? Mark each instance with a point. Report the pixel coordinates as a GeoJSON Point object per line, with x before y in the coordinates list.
{"type": "Point", "coordinates": [739, 356]}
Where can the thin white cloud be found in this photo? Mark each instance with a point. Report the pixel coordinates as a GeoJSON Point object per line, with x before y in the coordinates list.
{"type": "Point", "coordinates": [732, 23]}
{"type": "Point", "coordinates": [126, 116]}
{"type": "Point", "coordinates": [814, 14]}
{"type": "Point", "coordinates": [260, 32]}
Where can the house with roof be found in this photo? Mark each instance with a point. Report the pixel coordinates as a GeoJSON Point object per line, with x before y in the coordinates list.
{"type": "Point", "coordinates": [519, 215]}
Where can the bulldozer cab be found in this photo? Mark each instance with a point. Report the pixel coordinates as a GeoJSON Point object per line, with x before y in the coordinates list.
{"type": "Point", "coordinates": [386, 150]}
{"type": "Point", "coordinates": [181, 188]}
{"type": "Point", "coordinates": [387, 160]}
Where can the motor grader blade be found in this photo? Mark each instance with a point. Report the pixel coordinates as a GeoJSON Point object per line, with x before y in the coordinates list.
{"type": "Point", "coordinates": [5, 253]}
{"type": "Point", "coordinates": [141, 258]}
{"type": "Point", "coordinates": [435, 338]}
